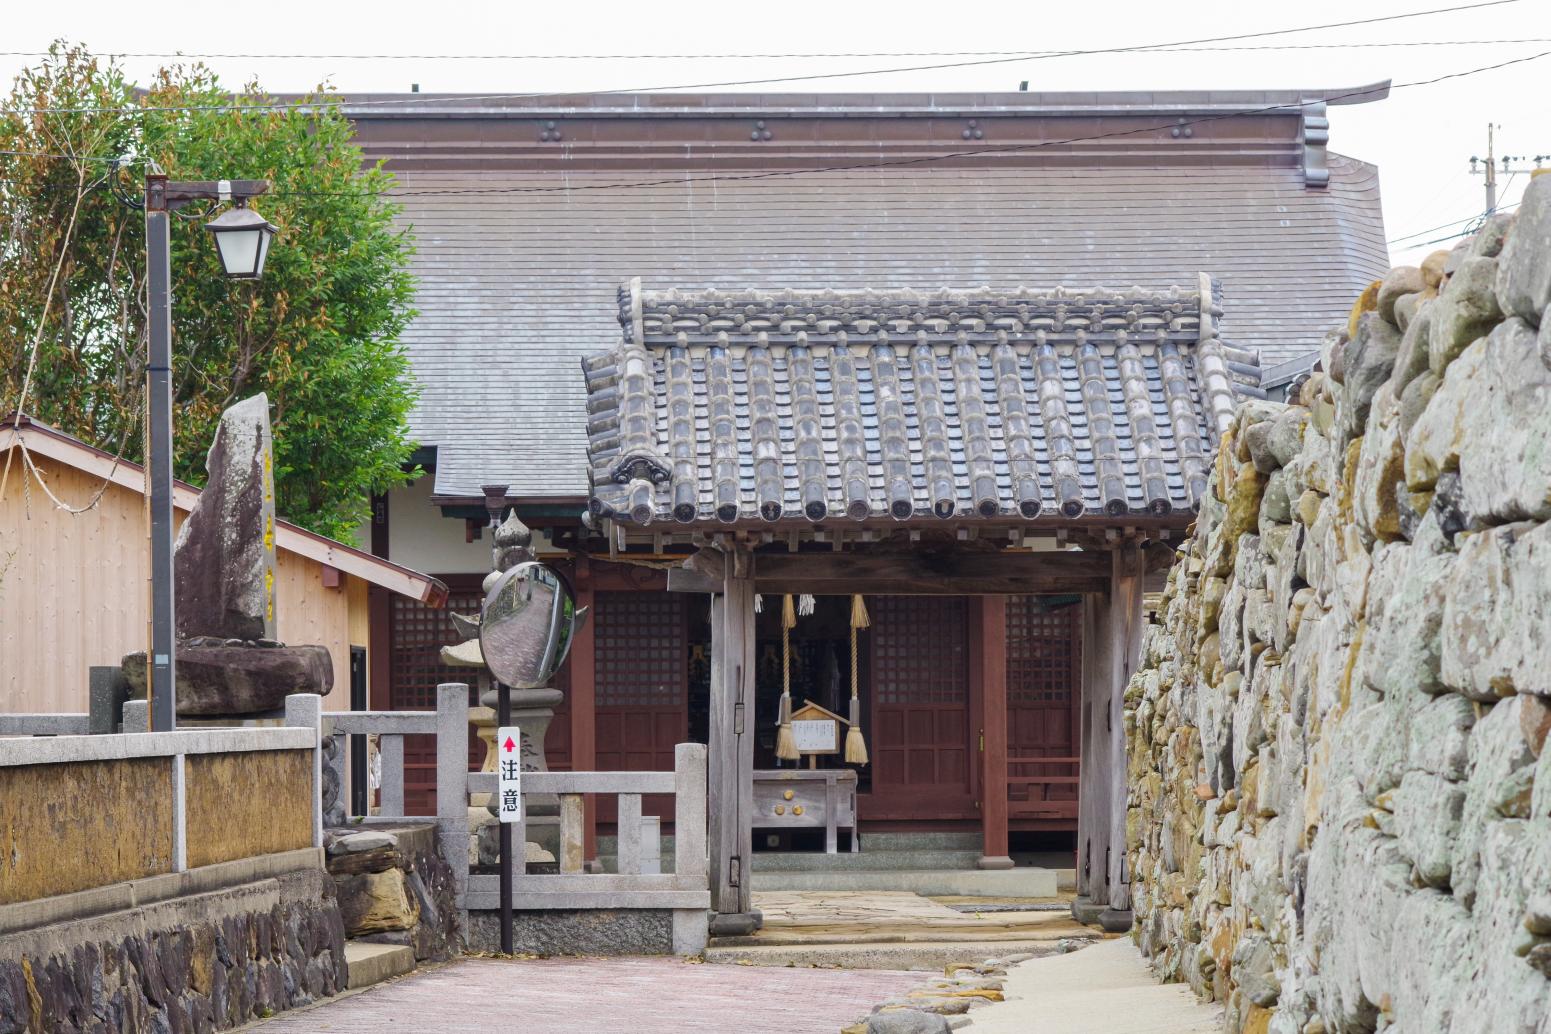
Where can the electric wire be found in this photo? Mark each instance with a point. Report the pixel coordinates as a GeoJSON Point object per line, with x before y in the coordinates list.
{"type": "Point", "coordinates": [1155, 48]}
{"type": "Point", "coordinates": [257, 108]}
{"type": "Point", "coordinates": [567, 188]}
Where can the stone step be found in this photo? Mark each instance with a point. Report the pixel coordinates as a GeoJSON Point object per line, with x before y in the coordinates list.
{"type": "Point", "coordinates": [928, 840]}
{"type": "Point", "coordinates": [370, 964]}
{"type": "Point", "coordinates": [925, 956]}
{"type": "Point", "coordinates": [988, 883]}
{"type": "Point", "coordinates": [934, 840]}
{"type": "Point", "coordinates": [864, 860]}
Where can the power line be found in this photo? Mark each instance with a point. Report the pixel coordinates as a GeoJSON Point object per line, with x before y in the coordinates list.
{"type": "Point", "coordinates": [1157, 48]}
{"type": "Point", "coordinates": [1467, 231]}
{"type": "Point", "coordinates": [1443, 226]}
{"type": "Point", "coordinates": [923, 159]}
{"type": "Point", "coordinates": [918, 160]}
{"type": "Point", "coordinates": [420, 100]}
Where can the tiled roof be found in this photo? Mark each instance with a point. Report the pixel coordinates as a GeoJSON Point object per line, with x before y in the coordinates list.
{"type": "Point", "coordinates": [519, 251]}
{"type": "Point", "coordinates": [804, 406]}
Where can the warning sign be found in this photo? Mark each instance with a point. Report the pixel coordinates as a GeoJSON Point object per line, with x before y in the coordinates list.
{"type": "Point", "coordinates": [508, 789]}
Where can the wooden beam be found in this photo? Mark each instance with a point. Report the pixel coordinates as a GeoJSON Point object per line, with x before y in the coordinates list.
{"type": "Point", "coordinates": [583, 700]}
{"type": "Point", "coordinates": [1126, 628]}
{"type": "Point", "coordinates": [1091, 752]}
{"type": "Point", "coordinates": [988, 652]}
{"type": "Point", "coordinates": [1111, 645]}
{"type": "Point", "coordinates": [933, 574]}
{"type": "Point", "coordinates": [731, 749]}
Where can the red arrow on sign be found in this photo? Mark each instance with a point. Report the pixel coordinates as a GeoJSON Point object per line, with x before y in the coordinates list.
{"type": "Point", "coordinates": [508, 746]}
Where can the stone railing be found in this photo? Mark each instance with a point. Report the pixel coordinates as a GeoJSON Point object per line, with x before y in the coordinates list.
{"type": "Point", "coordinates": [150, 804]}
{"type": "Point", "coordinates": [1340, 788]}
{"type": "Point", "coordinates": [390, 728]}
{"type": "Point", "coordinates": [44, 725]}
{"type": "Point", "coordinates": [552, 900]}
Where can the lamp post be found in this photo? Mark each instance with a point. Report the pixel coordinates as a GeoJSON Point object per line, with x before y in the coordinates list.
{"type": "Point", "coordinates": [242, 237]}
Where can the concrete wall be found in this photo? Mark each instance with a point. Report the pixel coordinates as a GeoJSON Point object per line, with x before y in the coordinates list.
{"type": "Point", "coordinates": [82, 818]}
{"type": "Point", "coordinates": [69, 827]}
{"type": "Point", "coordinates": [242, 805]}
{"type": "Point", "coordinates": [1340, 804]}
{"type": "Point", "coordinates": [73, 593]}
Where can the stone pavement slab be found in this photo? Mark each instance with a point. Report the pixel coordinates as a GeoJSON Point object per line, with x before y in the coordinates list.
{"type": "Point", "coordinates": [604, 996]}
{"type": "Point", "coordinates": [841, 917]}
{"type": "Point", "coordinates": [1104, 989]}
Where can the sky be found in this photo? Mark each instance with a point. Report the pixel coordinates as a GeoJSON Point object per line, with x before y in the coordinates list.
{"type": "Point", "coordinates": [1421, 138]}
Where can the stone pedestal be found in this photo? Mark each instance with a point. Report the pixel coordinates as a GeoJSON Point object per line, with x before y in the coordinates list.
{"type": "Point", "coordinates": [1115, 920]}
{"type": "Point", "coordinates": [1085, 911]}
{"type": "Point", "coordinates": [532, 711]}
{"type": "Point", "coordinates": [483, 720]}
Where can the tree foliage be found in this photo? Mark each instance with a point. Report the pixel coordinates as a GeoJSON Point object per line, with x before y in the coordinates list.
{"type": "Point", "coordinates": [319, 333]}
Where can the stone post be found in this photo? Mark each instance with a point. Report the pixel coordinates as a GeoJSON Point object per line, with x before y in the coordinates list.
{"type": "Point", "coordinates": [532, 711]}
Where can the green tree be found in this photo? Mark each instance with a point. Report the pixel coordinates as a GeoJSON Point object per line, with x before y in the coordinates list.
{"type": "Point", "coordinates": [319, 333]}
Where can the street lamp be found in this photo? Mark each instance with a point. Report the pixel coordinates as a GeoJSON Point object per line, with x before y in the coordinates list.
{"type": "Point", "coordinates": [242, 237]}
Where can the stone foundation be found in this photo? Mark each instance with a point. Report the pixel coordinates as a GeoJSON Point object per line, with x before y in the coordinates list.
{"type": "Point", "coordinates": [199, 963]}
{"type": "Point", "coordinates": [395, 888]}
{"type": "Point", "coordinates": [1340, 804]}
{"type": "Point", "coordinates": [625, 931]}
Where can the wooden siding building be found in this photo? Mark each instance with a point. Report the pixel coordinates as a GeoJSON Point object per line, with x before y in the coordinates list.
{"type": "Point", "coordinates": [74, 587]}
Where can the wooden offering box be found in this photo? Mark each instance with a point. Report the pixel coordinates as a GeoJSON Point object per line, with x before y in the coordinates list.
{"type": "Point", "coordinates": [794, 798]}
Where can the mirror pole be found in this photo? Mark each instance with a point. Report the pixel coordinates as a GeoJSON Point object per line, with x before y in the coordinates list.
{"type": "Point", "coordinates": [504, 719]}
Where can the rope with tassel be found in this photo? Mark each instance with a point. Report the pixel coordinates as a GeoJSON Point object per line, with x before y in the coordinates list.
{"type": "Point", "coordinates": [856, 746]}
{"type": "Point", "coordinates": [786, 742]}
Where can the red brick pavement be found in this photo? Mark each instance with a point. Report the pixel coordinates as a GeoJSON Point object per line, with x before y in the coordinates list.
{"type": "Point", "coordinates": [606, 996]}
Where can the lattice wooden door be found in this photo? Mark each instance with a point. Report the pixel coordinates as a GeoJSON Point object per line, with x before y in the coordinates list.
{"type": "Point", "coordinates": [416, 634]}
{"type": "Point", "coordinates": [641, 656]}
{"type": "Point", "coordinates": [1044, 672]}
{"type": "Point", "coordinates": [920, 738]}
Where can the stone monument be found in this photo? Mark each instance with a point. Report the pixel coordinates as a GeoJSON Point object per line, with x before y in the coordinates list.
{"type": "Point", "coordinates": [229, 662]}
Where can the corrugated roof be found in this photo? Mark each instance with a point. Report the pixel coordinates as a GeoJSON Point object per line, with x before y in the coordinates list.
{"type": "Point", "coordinates": [801, 406]}
{"type": "Point", "coordinates": [517, 278]}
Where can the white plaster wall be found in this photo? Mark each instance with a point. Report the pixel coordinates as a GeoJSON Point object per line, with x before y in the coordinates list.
{"type": "Point", "coordinates": [419, 536]}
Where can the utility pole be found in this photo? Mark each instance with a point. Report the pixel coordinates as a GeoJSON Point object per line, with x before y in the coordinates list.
{"type": "Point", "coordinates": [1491, 165]}
{"type": "Point", "coordinates": [1491, 170]}
{"type": "Point", "coordinates": [160, 672]}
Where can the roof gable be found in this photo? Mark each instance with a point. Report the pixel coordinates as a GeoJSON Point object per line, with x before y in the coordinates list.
{"type": "Point", "coordinates": [63, 448]}
{"type": "Point", "coordinates": [802, 406]}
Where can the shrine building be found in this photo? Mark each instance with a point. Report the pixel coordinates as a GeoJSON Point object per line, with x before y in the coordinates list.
{"type": "Point", "coordinates": [946, 370]}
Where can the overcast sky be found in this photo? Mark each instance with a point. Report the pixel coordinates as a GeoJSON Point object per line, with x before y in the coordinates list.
{"type": "Point", "coordinates": [1421, 138]}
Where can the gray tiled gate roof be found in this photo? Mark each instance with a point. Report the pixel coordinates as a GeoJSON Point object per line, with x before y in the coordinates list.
{"type": "Point", "coordinates": [803, 406]}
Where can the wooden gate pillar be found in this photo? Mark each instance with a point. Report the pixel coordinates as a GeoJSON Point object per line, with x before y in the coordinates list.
{"type": "Point", "coordinates": [584, 695]}
{"type": "Point", "coordinates": [731, 750]}
{"type": "Point", "coordinates": [1112, 629]}
{"type": "Point", "coordinates": [988, 684]}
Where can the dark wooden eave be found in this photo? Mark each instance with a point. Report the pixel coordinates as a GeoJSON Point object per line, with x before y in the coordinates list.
{"type": "Point", "coordinates": [916, 573]}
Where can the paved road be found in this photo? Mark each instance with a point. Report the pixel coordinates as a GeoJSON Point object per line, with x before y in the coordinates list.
{"type": "Point", "coordinates": [1105, 989]}
{"type": "Point", "coordinates": [605, 996]}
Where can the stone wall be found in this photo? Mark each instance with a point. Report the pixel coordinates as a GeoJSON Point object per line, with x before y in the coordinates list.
{"type": "Point", "coordinates": [395, 888]}
{"type": "Point", "coordinates": [1340, 807]}
{"type": "Point", "coordinates": [198, 963]}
